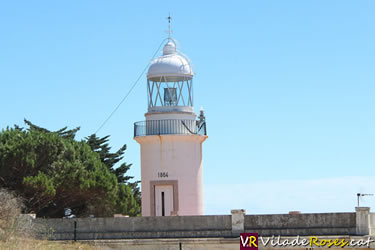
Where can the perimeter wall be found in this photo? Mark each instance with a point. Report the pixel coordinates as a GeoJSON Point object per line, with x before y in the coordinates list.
{"type": "Point", "coordinates": [362, 222]}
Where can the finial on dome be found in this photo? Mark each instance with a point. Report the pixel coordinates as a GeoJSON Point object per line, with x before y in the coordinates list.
{"type": "Point", "coordinates": [170, 46]}
{"type": "Point", "coordinates": [169, 26]}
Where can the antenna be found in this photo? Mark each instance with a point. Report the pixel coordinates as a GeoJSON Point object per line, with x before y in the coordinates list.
{"type": "Point", "coordinates": [169, 26]}
{"type": "Point", "coordinates": [359, 195]}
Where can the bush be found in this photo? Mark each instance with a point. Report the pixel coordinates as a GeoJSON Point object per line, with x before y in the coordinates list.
{"type": "Point", "coordinates": [11, 222]}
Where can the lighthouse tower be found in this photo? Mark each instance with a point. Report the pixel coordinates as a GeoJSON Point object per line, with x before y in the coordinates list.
{"type": "Point", "coordinates": [171, 139]}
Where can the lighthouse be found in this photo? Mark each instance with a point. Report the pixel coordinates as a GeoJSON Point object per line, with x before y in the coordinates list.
{"type": "Point", "coordinates": [171, 139]}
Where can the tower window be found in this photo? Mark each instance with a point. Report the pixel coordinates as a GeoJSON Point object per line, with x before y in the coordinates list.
{"type": "Point", "coordinates": [170, 96]}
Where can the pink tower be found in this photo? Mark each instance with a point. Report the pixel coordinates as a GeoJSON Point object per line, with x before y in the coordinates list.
{"type": "Point", "coordinates": [171, 139]}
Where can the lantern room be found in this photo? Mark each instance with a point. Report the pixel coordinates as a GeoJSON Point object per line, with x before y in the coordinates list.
{"type": "Point", "coordinates": [170, 81]}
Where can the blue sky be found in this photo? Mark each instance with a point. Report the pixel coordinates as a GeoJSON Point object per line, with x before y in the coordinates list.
{"type": "Point", "coordinates": [287, 87]}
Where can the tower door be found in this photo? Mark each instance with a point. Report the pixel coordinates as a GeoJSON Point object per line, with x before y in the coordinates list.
{"type": "Point", "coordinates": [163, 200]}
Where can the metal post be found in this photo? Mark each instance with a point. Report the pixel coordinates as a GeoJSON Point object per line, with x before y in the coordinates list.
{"type": "Point", "coordinates": [75, 230]}
{"type": "Point", "coordinates": [358, 195]}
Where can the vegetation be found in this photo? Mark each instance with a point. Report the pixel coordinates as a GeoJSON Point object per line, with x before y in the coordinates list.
{"type": "Point", "coordinates": [16, 231]}
{"type": "Point", "coordinates": [10, 209]}
{"type": "Point", "coordinates": [52, 171]}
{"type": "Point", "coordinates": [129, 196]}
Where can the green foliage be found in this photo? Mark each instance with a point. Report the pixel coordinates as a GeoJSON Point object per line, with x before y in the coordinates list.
{"type": "Point", "coordinates": [64, 133]}
{"type": "Point", "coordinates": [128, 190]}
{"type": "Point", "coordinates": [40, 182]}
{"type": "Point", "coordinates": [52, 171]}
{"type": "Point", "coordinates": [126, 203]}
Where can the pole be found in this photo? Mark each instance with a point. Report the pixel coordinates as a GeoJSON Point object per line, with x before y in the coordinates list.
{"type": "Point", "coordinates": [358, 195]}
{"type": "Point", "coordinates": [75, 230]}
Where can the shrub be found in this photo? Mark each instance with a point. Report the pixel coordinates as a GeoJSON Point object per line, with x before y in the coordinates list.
{"type": "Point", "coordinates": [11, 222]}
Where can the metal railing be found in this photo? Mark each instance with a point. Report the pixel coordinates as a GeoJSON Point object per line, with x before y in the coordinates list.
{"type": "Point", "coordinates": [169, 127]}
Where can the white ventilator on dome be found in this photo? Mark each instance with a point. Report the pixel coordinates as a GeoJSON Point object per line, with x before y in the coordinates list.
{"type": "Point", "coordinates": [170, 81]}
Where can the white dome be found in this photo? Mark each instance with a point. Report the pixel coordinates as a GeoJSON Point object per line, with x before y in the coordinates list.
{"type": "Point", "coordinates": [171, 65]}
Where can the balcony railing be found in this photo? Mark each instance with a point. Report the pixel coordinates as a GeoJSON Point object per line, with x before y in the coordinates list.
{"type": "Point", "coordinates": [169, 127]}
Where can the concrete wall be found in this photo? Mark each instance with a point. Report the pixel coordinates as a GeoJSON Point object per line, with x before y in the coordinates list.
{"type": "Point", "coordinates": [372, 223]}
{"type": "Point", "coordinates": [136, 227]}
{"type": "Point", "coordinates": [302, 224]}
{"type": "Point", "coordinates": [223, 226]}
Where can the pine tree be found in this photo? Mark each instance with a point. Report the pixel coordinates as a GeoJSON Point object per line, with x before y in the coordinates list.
{"type": "Point", "coordinates": [101, 146]}
{"type": "Point", "coordinates": [64, 133]}
{"type": "Point", "coordinates": [52, 171]}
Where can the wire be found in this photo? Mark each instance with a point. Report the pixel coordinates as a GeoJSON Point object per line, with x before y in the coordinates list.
{"type": "Point", "coordinates": [130, 90]}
